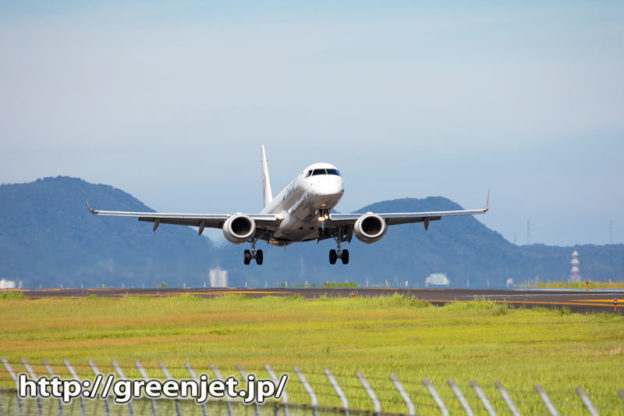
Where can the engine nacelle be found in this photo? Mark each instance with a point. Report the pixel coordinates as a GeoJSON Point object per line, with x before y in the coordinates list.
{"type": "Point", "coordinates": [239, 228]}
{"type": "Point", "coordinates": [370, 228]}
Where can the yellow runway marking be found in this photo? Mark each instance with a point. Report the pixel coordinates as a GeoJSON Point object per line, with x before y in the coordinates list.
{"type": "Point", "coordinates": [229, 292]}
{"type": "Point", "coordinates": [584, 303]}
{"type": "Point", "coordinates": [601, 300]}
{"type": "Point", "coordinates": [117, 294]}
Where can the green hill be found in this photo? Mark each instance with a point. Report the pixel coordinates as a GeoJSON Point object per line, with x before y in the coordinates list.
{"type": "Point", "coordinates": [49, 238]}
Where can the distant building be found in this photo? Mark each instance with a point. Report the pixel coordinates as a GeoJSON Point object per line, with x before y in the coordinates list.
{"type": "Point", "coordinates": [218, 277]}
{"type": "Point", "coordinates": [7, 284]}
{"type": "Point", "coordinates": [437, 279]}
{"type": "Point", "coordinates": [574, 273]}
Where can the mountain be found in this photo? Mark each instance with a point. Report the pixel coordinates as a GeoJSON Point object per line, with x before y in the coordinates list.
{"type": "Point", "coordinates": [48, 238]}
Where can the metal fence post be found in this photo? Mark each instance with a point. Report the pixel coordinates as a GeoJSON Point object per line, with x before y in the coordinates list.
{"type": "Point", "coordinates": [408, 402]}
{"type": "Point", "coordinates": [168, 377]}
{"type": "Point", "coordinates": [244, 376]}
{"type": "Point", "coordinates": [284, 395]}
{"type": "Point", "coordinates": [460, 397]}
{"type": "Point", "coordinates": [308, 389]}
{"type": "Point", "coordinates": [588, 404]}
{"type": "Point", "coordinates": [217, 374]}
{"type": "Point", "coordinates": [546, 400]}
{"type": "Point", "coordinates": [97, 372]}
{"type": "Point", "coordinates": [483, 398]}
{"type": "Point", "coordinates": [510, 404]}
{"type": "Point", "coordinates": [12, 374]}
{"type": "Point", "coordinates": [338, 390]}
{"type": "Point", "coordinates": [75, 376]}
{"type": "Point", "coordinates": [49, 370]}
{"type": "Point", "coordinates": [191, 372]}
{"type": "Point", "coordinates": [369, 392]}
{"type": "Point", "coordinates": [144, 375]}
{"type": "Point", "coordinates": [434, 394]}
{"type": "Point", "coordinates": [123, 377]}
{"type": "Point", "coordinates": [32, 375]}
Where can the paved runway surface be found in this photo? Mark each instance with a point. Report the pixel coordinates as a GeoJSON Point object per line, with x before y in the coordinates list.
{"type": "Point", "coordinates": [578, 301]}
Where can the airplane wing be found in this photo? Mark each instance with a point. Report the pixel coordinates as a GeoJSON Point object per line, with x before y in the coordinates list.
{"type": "Point", "coordinates": [263, 221]}
{"type": "Point", "coordinates": [394, 218]}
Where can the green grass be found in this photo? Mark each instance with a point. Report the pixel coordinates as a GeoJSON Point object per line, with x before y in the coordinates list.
{"type": "Point", "coordinates": [478, 340]}
{"type": "Point", "coordinates": [577, 285]}
{"type": "Point", "coordinates": [11, 294]}
{"type": "Point", "coordinates": [331, 285]}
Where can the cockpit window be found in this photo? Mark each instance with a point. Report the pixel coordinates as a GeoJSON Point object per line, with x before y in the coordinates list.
{"type": "Point", "coordinates": [323, 172]}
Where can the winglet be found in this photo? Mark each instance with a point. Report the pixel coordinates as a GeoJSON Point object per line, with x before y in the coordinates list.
{"type": "Point", "coordinates": [91, 210]}
{"type": "Point", "coordinates": [487, 205]}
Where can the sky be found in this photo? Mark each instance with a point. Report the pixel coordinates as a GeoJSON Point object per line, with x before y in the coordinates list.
{"type": "Point", "coordinates": [170, 101]}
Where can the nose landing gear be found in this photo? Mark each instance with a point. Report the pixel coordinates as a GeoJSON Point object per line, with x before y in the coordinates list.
{"type": "Point", "coordinates": [322, 214]}
{"type": "Point", "coordinates": [253, 254]}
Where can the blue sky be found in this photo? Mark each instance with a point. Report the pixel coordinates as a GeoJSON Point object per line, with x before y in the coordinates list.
{"type": "Point", "coordinates": [170, 101]}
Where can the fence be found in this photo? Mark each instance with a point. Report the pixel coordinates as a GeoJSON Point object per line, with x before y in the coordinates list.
{"type": "Point", "coordinates": [353, 395]}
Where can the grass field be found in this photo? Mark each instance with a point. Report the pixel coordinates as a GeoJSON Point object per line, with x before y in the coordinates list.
{"type": "Point", "coordinates": [579, 285]}
{"type": "Point", "coordinates": [476, 340]}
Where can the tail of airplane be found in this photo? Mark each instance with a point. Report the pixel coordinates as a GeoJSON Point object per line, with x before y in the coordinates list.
{"type": "Point", "coordinates": [266, 182]}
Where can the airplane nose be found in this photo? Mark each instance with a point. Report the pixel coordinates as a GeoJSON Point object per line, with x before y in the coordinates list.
{"type": "Point", "coordinates": [328, 187]}
{"type": "Point", "coordinates": [325, 192]}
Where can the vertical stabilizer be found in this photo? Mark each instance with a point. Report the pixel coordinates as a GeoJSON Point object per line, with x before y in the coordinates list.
{"type": "Point", "coordinates": [266, 182]}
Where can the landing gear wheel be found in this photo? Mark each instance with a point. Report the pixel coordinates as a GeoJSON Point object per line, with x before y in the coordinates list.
{"type": "Point", "coordinates": [259, 257]}
{"type": "Point", "coordinates": [247, 257]}
{"type": "Point", "coordinates": [345, 257]}
{"type": "Point", "coordinates": [332, 256]}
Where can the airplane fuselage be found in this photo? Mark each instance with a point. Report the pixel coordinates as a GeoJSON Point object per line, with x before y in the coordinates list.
{"type": "Point", "coordinates": [304, 202]}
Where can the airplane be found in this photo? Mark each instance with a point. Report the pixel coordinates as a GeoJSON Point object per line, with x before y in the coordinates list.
{"type": "Point", "coordinates": [300, 212]}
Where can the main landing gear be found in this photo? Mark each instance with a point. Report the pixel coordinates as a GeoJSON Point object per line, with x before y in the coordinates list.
{"type": "Point", "coordinates": [335, 254]}
{"type": "Point", "coordinates": [343, 254]}
{"type": "Point", "coordinates": [253, 254]}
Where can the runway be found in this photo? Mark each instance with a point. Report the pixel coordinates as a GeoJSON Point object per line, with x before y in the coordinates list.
{"type": "Point", "coordinates": [578, 301]}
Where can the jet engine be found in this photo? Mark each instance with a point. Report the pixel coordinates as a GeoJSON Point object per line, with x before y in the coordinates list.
{"type": "Point", "coordinates": [239, 228]}
{"type": "Point", "coordinates": [370, 228]}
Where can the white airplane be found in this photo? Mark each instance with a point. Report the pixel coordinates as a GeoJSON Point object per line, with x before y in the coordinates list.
{"type": "Point", "coordinates": [300, 212]}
